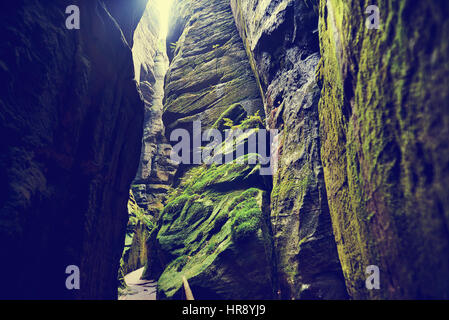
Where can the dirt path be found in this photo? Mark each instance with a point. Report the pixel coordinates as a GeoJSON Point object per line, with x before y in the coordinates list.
{"type": "Point", "coordinates": [139, 289]}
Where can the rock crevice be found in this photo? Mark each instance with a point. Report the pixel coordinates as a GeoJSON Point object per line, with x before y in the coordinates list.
{"type": "Point", "coordinates": [281, 41]}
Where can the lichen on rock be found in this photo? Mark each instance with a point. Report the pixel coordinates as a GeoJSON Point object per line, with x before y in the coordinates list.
{"type": "Point", "coordinates": [281, 41]}
{"type": "Point", "coordinates": [383, 115]}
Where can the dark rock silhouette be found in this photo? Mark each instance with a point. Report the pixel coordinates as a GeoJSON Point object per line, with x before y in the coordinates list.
{"type": "Point", "coordinates": [70, 122]}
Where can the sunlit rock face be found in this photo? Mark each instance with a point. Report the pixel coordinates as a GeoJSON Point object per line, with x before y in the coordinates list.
{"type": "Point", "coordinates": [156, 170]}
{"type": "Point", "coordinates": [281, 41]}
{"type": "Point", "coordinates": [209, 70]}
{"type": "Point", "coordinates": [384, 123]}
{"type": "Point", "coordinates": [215, 228]}
{"type": "Point", "coordinates": [71, 125]}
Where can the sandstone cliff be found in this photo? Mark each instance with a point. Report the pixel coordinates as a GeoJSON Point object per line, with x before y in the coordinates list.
{"type": "Point", "coordinates": [156, 170]}
{"type": "Point", "coordinates": [70, 122]}
{"type": "Point", "coordinates": [384, 128]}
{"type": "Point", "coordinates": [281, 40]}
{"type": "Point", "coordinates": [215, 228]}
{"type": "Point", "coordinates": [359, 168]}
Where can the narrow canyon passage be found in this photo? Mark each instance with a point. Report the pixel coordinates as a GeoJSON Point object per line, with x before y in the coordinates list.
{"type": "Point", "coordinates": [139, 289]}
{"type": "Point", "coordinates": [155, 169]}
{"type": "Point", "coordinates": [252, 149]}
{"type": "Point", "coordinates": [242, 65]}
{"type": "Point", "coordinates": [210, 80]}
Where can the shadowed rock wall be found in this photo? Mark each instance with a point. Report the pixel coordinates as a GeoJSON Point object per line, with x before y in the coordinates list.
{"type": "Point", "coordinates": [281, 41]}
{"type": "Point", "coordinates": [215, 228]}
{"type": "Point", "coordinates": [71, 126]}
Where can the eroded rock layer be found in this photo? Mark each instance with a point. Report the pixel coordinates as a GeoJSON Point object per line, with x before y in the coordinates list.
{"type": "Point", "coordinates": [71, 126]}
{"type": "Point", "coordinates": [209, 70]}
{"type": "Point", "coordinates": [281, 40]}
{"type": "Point", "coordinates": [215, 228]}
{"type": "Point", "coordinates": [156, 170]}
{"type": "Point", "coordinates": [384, 126]}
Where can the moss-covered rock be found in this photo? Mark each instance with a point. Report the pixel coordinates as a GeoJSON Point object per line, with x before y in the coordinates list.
{"type": "Point", "coordinates": [282, 44]}
{"type": "Point", "coordinates": [217, 234]}
{"type": "Point", "coordinates": [121, 277]}
{"type": "Point", "coordinates": [215, 228]}
{"type": "Point", "coordinates": [384, 123]}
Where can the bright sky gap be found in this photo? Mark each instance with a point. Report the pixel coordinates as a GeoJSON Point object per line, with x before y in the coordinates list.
{"type": "Point", "coordinates": [163, 6]}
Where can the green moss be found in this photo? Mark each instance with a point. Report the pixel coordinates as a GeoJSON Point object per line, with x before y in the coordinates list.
{"type": "Point", "coordinates": [237, 171]}
{"type": "Point", "coordinates": [246, 215]}
{"type": "Point", "coordinates": [174, 207]}
{"type": "Point", "coordinates": [138, 231]}
{"type": "Point", "coordinates": [291, 186]}
{"type": "Point", "coordinates": [235, 113]}
{"type": "Point", "coordinates": [251, 122]}
{"type": "Point", "coordinates": [220, 220]}
{"type": "Point", "coordinates": [201, 221]}
{"type": "Point", "coordinates": [121, 276]}
{"type": "Point", "coordinates": [380, 142]}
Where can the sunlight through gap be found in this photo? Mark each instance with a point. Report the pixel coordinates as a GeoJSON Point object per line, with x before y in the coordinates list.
{"type": "Point", "coordinates": [163, 6]}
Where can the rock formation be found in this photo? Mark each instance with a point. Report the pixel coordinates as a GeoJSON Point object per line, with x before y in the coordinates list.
{"type": "Point", "coordinates": [384, 128]}
{"type": "Point", "coordinates": [215, 228]}
{"type": "Point", "coordinates": [281, 40]}
{"type": "Point", "coordinates": [156, 170]}
{"type": "Point", "coordinates": [360, 166]}
{"type": "Point", "coordinates": [72, 116]}
{"type": "Point", "coordinates": [209, 70]}
{"type": "Point", "coordinates": [140, 225]}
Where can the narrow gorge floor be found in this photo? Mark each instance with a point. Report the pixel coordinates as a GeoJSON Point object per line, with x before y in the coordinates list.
{"type": "Point", "coordinates": [139, 289]}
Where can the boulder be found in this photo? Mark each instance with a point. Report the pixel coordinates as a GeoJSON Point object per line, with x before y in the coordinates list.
{"type": "Point", "coordinates": [281, 41]}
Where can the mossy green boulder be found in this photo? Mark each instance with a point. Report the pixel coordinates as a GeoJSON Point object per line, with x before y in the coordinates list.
{"type": "Point", "coordinates": [215, 231]}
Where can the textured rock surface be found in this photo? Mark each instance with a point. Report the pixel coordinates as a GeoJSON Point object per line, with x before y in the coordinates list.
{"type": "Point", "coordinates": [281, 40]}
{"type": "Point", "coordinates": [140, 225]}
{"type": "Point", "coordinates": [373, 125]}
{"type": "Point", "coordinates": [73, 118]}
{"type": "Point", "coordinates": [385, 121]}
{"type": "Point", "coordinates": [209, 70]}
{"type": "Point", "coordinates": [156, 170]}
{"type": "Point", "coordinates": [128, 14]}
{"type": "Point", "coordinates": [215, 229]}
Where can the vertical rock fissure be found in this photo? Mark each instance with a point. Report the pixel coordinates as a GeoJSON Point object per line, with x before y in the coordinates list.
{"type": "Point", "coordinates": [215, 228]}
{"type": "Point", "coordinates": [281, 41]}
{"type": "Point", "coordinates": [155, 172]}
